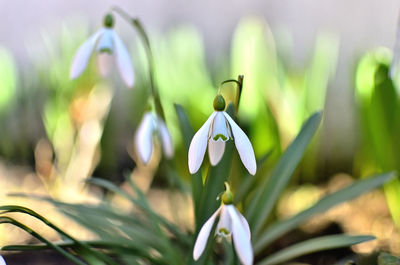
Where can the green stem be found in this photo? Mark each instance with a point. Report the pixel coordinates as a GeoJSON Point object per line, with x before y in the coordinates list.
{"type": "Point", "coordinates": [146, 43]}
{"type": "Point", "coordinates": [239, 83]}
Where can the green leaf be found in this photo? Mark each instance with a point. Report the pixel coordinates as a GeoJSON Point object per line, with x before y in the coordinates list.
{"type": "Point", "coordinates": [8, 220]}
{"type": "Point", "coordinates": [388, 259]}
{"type": "Point", "coordinates": [314, 245]}
{"type": "Point", "coordinates": [89, 252]}
{"type": "Point", "coordinates": [139, 234]}
{"type": "Point", "coordinates": [113, 248]}
{"type": "Point", "coordinates": [354, 190]}
{"type": "Point", "coordinates": [249, 181]}
{"type": "Point", "coordinates": [270, 189]}
{"type": "Point", "coordinates": [142, 203]}
{"type": "Point", "coordinates": [197, 180]}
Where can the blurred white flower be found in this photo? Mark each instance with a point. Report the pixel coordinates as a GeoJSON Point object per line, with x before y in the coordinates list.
{"type": "Point", "coordinates": [230, 222]}
{"type": "Point", "coordinates": [218, 129]}
{"type": "Point", "coordinates": [2, 261]}
{"type": "Point", "coordinates": [105, 40]}
{"type": "Point", "coordinates": [150, 126]}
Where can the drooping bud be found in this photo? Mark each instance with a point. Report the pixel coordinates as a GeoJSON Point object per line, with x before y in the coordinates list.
{"type": "Point", "coordinates": [219, 103]}
{"type": "Point", "coordinates": [227, 196]}
{"type": "Point", "coordinates": [108, 21]}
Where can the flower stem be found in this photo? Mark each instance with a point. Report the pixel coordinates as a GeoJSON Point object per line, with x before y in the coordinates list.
{"type": "Point", "coordinates": [239, 83]}
{"type": "Point", "coordinates": [146, 43]}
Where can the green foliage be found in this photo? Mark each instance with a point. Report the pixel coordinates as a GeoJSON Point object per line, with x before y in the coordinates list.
{"type": "Point", "coordinates": [378, 107]}
{"type": "Point", "coordinates": [388, 259]}
{"type": "Point", "coordinates": [314, 245]}
{"type": "Point", "coordinates": [279, 106]}
{"type": "Point", "coordinates": [125, 237]}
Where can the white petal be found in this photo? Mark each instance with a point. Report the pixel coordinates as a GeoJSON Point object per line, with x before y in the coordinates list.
{"type": "Point", "coordinates": [82, 56]}
{"type": "Point", "coordinates": [220, 129]}
{"type": "Point", "coordinates": [144, 138]}
{"type": "Point", "coordinates": [203, 235]}
{"type": "Point", "coordinates": [215, 151]}
{"type": "Point", "coordinates": [124, 62]}
{"type": "Point", "coordinates": [243, 145]}
{"type": "Point", "coordinates": [104, 63]}
{"type": "Point", "coordinates": [224, 223]}
{"type": "Point", "coordinates": [198, 145]}
{"type": "Point", "coordinates": [166, 140]}
{"type": "Point", "coordinates": [2, 261]}
{"type": "Point", "coordinates": [240, 237]}
{"type": "Point", "coordinates": [244, 223]}
{"type": "Point", "coordinates": [106, 41]}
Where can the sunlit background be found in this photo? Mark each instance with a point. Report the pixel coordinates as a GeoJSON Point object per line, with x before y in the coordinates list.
{"type": "Point", "coordinates": [297, 57]}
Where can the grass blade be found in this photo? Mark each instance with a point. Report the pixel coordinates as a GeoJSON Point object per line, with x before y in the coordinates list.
{"type": "Point", "coordinates": [314, 245]}
{"type": "Point", "coordinates": [356, 189]}
{"type": "Point", "coordinates": [272, 188]}
{"type": "Point", "coordinates": [86, 248]}
{"type": "Point", "coordinates": [197, 180]}
{"type": "Point", "coordinates": [8, 220]}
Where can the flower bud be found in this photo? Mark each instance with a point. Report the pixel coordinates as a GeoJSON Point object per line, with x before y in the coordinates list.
{"type": "Point", "coordinates": [219, 103]}
{"type": "Point", "coordinates": [227, 196]}
{"type": "Point", "coordinates": [108, 21]}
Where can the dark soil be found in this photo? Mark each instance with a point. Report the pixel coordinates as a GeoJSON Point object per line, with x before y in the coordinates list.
{"type": "Point", "coordinates": [45, 257]}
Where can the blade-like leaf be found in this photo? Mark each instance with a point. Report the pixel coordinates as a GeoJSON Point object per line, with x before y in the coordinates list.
{"type": "Point", "coordinates": [356, 189]}
{"type": "Point", "coordinates": [387, 259]}
{"type": "Point", "coordinates": [270, 190]}
{"type": "Point", "coordinates": [141, 202]}
{"type": "Point", "coordinates": [111, 247]}
{"type": "Point", "coordinates": [83, 246]}
{"type": "Point", "coordinates": [197, 181]}
{"type": "Point", "coordinates": [314, 245]}
{"type": "Point", "coordinates": [8, 220]}
{"type": "Point", "coordinates": [137, 233]}
{"type": "Point", "coordinates": [249, 181]}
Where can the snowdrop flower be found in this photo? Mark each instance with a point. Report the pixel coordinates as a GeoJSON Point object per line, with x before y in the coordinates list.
{"type": "Point", "coordinates": [2, 261]}
{"type": "Point", "coordinates": [231, 222]}
{"type": "Point", "coordinates": [152, 125]}
{"type": "Point", "coordinates": [105, 40]}
{"type": "Point", "coordinates": [218, 129]}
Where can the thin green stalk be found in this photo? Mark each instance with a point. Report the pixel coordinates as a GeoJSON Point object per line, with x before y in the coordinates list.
{"type": "Point", "coordinates": [239, 83]}
{"type": "Point", "coordinates": [146, 43]}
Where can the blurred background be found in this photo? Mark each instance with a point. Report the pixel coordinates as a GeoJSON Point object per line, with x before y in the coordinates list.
{"type": "Point", "coordinates": [297, 57]}
{"type": "Point", "coordinates": [358, 25]}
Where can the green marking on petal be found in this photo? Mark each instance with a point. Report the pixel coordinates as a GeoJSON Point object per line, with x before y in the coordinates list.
{"type": "Point", "coordinates": [223, 231]}
{"type": "Point", "coordinates": [223, 137]}
{"type": "Point", "coordinates": [105, 50]}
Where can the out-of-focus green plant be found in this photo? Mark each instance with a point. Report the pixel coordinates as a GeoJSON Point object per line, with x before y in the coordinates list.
{"type": "Point", "coordinates": [13, 144]}
{"type": "Point", "coordinates": [8, 77]}
{"type": "Point", "coordinates": [73, 116]}
{"type": "Point", "coordinates": [378, 107]}
{"type": "Point", "coordinates": [281, 97]}
{"type": "Point", "coordinates": [388, 259]}
{"type": "Point", "coordinates": [145, 236]}
{"type": "Point", "coordinates": [141, 235]}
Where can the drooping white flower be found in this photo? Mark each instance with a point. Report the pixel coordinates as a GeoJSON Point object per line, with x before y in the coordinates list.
{"type": "Point", "coordinates": [2, 261]}
{"type": "Point", "coordinates": [218, 129]}
{"type": "Point", "coordinates": [150, 126]}
{"type": "Point", "coordinates": [105, 40]}
{"type": "Point", "coordinates": [231, 222]}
